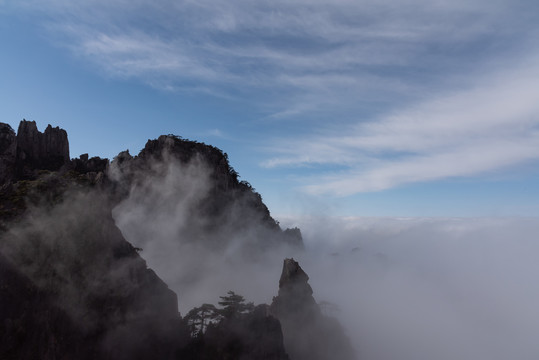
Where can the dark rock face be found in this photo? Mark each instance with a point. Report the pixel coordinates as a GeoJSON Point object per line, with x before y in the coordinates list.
{"type": "Point", "coordinates": [227, 209]}
{"type": "Point", "coordinates": [71, 287]}
{"type": "Point", "coordinates": [76, 259]}
{"type": "Point", "coordinates": [308, 334]}
{"type": "Point", "coordinates": [23, 335]}
{"type": "Point", "coordinates": [43, 151]}
{"type": "Point", "coordinates": [256, 335]}
{"type": "Point", "coordinates": [85, 165]}
{"type": "Point", "coordinates": [30, 150]}
{"type": "Point", "coordinates": [8, 153]}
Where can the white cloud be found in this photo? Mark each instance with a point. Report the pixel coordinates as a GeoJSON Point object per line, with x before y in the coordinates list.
{"type": "Point", "coordinates": [306, 51]}
{"type": "Point", "coordinates": [428, 288]}
{"type": "Point", "coordinates": [489, 127]}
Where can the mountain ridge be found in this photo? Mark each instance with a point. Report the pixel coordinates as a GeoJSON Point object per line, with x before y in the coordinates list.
{"type": "Point", "coordinates": [59, 239]}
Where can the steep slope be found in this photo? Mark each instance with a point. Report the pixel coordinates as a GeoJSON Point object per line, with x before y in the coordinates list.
{"type": "Point", "coordinates": [72, 254]}
{"type": "Point", "coordinates": [223, 206]}
{"type": "Point", "coordinates": [73, 285]}
{"type": "Point", "coordinates": [63, 255]}
{"type": "Point", "coordinates": [23, 335]}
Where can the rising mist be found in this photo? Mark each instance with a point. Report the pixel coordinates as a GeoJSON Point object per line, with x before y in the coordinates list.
{"type": "Point", "coordinates": [407, 288]}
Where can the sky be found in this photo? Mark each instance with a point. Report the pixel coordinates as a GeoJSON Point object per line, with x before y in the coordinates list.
{"type": "Point", "coordinates": [342, 108]}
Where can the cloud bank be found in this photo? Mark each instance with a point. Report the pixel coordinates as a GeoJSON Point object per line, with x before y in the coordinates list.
{"type": "Point", "coordinates": [420, 288]}
{"type": "Point", "coordinates": [406, 288]}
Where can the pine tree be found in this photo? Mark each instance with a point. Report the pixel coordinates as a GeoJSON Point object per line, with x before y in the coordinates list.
{"type": "Point", "coordinates": [233, 305]}
{"type": "Point", "coordinates": [200, 317]}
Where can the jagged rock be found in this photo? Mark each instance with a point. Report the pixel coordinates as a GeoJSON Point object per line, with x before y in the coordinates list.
{"type": "Point", "coordinates": [292, 236]}
{"type": "Point", "coordinates": [83, 165]}
{"type": "Point", "coordinates": [40, 151]}
{"type": "Point", "coordinates": [295, 298]}
{"type": "Point", "coordinates": [227, 209]}
{"type": "Point", "coordinates": [22, 155]}
{"type": "Point", "coordinates": [308, 334]}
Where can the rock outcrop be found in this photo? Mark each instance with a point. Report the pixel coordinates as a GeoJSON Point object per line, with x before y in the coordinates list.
{"type": "Point", "coordinates": [229, 206]}
{"type": "Point", "coordinates": [308, 334]}
{"type": "Point", "coordinates": [8, 153]}
{"type": "Point", "coordinates": [226, 208]}
{"type": "Point", "coordinates": [249, 336]}
{"type": "Point", "coordinates": [43, 151]}
{"type": "Point", "coordinates": [24, 154]}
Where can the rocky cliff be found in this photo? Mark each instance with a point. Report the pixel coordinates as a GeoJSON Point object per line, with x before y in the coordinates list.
{"type": "Point", "coordinates": [8, 153]}
{"type": "Point", "coordinates": [308, 334]}
{"type": "Point", "coordinates": [72, 287]}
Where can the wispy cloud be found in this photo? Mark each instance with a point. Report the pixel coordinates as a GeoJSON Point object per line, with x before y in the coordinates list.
{"type": "Point", "coordinates": [287, 54]}
{"type": "Point", "coordinates": [416, 90]}
{"type": "Point", "coordinates": [489, 127]}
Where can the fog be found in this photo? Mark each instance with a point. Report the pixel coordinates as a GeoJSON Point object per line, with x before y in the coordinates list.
{"type": "Point", "coordinates": [420, 288]}
{"type": "Point", "coordinates": [162, 216]}
{"type": "Point", "coordinates": [405, 288]}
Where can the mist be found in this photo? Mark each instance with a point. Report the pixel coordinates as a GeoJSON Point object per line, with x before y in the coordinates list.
{"type": "Point", "coordinates": [404, 288]}
{"type": "Point", "coordinates": [162, 217]}
{"type": "Point", "coordinates": [428, 288]}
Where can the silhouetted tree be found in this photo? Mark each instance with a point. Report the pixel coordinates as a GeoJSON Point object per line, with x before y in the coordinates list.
{"type": "Point", "coordinates": [233, 305]}
{"type": "Point", "coordinates": [199, 318]}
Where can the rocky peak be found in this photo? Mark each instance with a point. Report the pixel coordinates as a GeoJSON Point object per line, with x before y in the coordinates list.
{"type": "Point", "coordinates": [54, 143]}
{"type": "Point", "coordinates": [28, 140]}
{"type": "Point", "coordinates": [294, 282]}
{"type": "Point", "coordinates": [292, 275]}
{"type": "Point", "coordinates": [24, 154]}
{"type": "Point", "coordinates": [295, 293]}
{"type": "Point", "coordinates": [308, 334]}
{"type": "Point", "coordinates": [29, 151]}
{"type": "Point", "coordinates": [48, 150]}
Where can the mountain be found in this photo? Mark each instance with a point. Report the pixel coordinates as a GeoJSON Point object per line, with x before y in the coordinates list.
{"type": "Point", "coordinates": [72, 286]}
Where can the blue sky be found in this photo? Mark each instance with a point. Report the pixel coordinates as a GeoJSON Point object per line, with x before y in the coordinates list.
{"type": "Point", "coordinates": [397, 108]}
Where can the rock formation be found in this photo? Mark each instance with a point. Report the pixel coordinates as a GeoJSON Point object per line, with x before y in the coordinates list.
{"type": "Point", "coordinates": [44, 151]}
{"type": "Point", "coordinates": [308, 334]}
{"type": "Point", "coordinates": [22, 155]}
{"type": "Point", "coordinates": [227, 208]}
{"type": "Point", "coordinates": [8, 153]}
{"type": "Point", "coordinates": [71, 286]}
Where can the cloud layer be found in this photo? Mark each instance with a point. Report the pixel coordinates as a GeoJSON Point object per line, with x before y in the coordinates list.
{"type": "Point", "coordinates": [420, 288]}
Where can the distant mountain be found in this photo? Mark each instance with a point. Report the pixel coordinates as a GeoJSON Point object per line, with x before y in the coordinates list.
{"type": "Point", "coordinates": [71, 285]}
